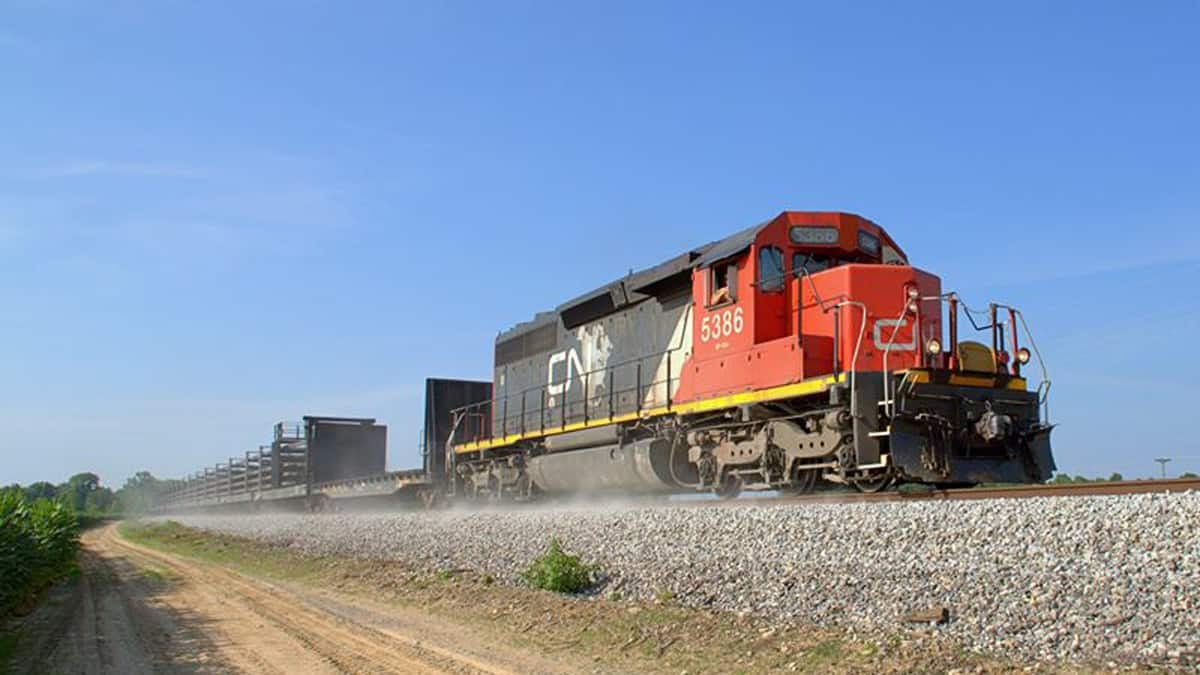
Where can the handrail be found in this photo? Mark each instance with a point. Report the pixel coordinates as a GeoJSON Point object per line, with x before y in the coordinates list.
{"type": "Point", "coordinates": [1043, 388]}
{"type": "Point", "coordinates": [587, 400]}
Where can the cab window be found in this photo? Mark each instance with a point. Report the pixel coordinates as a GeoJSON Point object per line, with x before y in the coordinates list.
{"type": "Point", "coordinates": [770, 269]}
{"type": "Point", "coordinates": [722, 284]}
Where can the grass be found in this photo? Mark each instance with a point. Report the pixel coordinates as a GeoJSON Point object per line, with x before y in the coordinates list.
{"type": "Point", "coordinates": [828, 651]}
{"type": "Point", "coordinates": [156, 577]}
{"type": "Point", "coordinates": [172, 537]}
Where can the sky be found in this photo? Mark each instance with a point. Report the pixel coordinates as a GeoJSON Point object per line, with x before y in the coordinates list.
{"type": "Point", "coordinates": [215, 216]}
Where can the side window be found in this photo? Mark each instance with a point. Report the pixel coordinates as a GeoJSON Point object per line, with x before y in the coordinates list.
{"type": "Point", "coordinates": [722, 283]}
{"type": "Point", "coordinates": [770, 269]}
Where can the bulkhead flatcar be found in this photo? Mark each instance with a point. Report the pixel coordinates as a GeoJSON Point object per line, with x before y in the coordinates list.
{"type": "Point", "coordinates": [803, 350]}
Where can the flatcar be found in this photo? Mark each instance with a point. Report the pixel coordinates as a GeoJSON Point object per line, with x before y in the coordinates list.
{"type": "Point", "coordinates": [802, 351]}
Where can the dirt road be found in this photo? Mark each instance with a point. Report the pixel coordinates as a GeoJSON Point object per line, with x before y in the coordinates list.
{"type": "Point", "coordinates": [136, 610]}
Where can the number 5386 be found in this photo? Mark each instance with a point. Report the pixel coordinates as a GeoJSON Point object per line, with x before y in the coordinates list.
{"type": "Point", "coordinates": [722, 324]}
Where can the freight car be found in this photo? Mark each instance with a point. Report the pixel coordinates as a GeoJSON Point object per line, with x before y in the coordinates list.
{"type": "Point", "coordinates": [324, 461]}
{"type": "Point", "coordinates": [802, 351]}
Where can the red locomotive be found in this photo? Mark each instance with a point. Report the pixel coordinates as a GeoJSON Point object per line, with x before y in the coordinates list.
{"type": "Point", "coordinates": [802, 350]}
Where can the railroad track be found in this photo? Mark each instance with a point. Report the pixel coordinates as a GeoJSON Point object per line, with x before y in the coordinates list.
{"type": "Point", "coordinates": [1127, 487]}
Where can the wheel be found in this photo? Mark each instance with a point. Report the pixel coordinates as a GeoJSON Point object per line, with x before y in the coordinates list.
{"type": "Point", "coordinates": [804, 481]}
{"type": "Point", "coordinates": [874, 483]}
{"type": "Point", "coordinates": [730, 487]}
{"type": "Point", "coordinates": [428, 498]}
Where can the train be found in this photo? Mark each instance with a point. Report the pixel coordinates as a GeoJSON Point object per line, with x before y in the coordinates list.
{"type": "Point", "coordinates": [802, 352]}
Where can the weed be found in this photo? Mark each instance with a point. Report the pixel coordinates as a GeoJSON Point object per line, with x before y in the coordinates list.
{"type": "Point", "coordinates": [559, 571]}
{"type": "Point", "coordinates": [663, 595]}
{"type": "Point", "coordinates": [445, 575]}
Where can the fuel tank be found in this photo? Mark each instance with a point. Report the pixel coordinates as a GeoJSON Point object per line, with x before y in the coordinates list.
{"type": "Point", "coordinates": [638, 467]}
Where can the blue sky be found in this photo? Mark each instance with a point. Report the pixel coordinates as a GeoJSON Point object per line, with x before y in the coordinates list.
{"type": "Point", "coordinates": [215, 216]}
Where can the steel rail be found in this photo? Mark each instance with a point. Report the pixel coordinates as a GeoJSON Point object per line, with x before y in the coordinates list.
{"type": "Point", "coordinates": [1127, 487]}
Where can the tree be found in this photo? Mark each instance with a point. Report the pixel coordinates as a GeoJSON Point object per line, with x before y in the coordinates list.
{"type": "Point", "coordinates": [100, 500]}
{"type": "Point", "coordinates": [41, 490]}
{"type": "Point", "coordinates": [1189, 474]}
{"type": "Point", "coordinates": [78, 487]}
{"type": "Point", "coordinates": [140, 492]}
{"type": "Point", "coordinates": [1061, 479]}
{"type": "Point", "coordinates": [1116, 477]}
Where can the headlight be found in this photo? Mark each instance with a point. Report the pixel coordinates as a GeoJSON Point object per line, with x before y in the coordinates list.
{"type": "Point", "coordinates": [934, 346]}
{"type": "Point", "coordinates": [913, 293]}
{"type": "Point", "coordinates": [1023, 355]}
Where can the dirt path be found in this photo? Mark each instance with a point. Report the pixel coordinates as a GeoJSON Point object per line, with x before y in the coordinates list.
{"type": "Point", "coordinates": [138, 610]}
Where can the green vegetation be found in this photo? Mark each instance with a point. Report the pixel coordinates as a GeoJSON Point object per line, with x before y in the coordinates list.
{"type": "Point", "coordinates": [559, 571]}
{"type": "Point", "coordinates": [172, 537]}
{"type": "Point", "coordinates": [39, 541]}
{"type": "Point", "coordinates": [8, 645]}
{"type": "Point", "coordinates": [84, 494]}
{"type": "Point", "coordinates": [826, 652]}
{"type": "Point", "coordinates": [1067, 479]}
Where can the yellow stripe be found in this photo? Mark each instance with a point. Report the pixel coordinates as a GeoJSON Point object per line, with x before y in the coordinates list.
{"type": "Point", "coordinates": [803, 388]}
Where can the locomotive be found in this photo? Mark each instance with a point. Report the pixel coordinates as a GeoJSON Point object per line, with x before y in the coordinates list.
{"type": "Point", "coordinates": [800, 351]}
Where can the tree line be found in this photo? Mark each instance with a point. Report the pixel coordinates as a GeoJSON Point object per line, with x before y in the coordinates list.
{"type": "Point", "coordinates": [1067, 479]}
{"type": "Point", "coordinates": [84, 494]}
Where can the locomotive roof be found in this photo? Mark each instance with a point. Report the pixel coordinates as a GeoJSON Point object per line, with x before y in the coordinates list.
{"type": "Point", "coordinates": [644, 283]}
{"type": "Point", "coordinates": [641, 284]}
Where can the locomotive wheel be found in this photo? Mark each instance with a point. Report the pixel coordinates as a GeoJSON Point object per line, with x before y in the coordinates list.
{"type": "Point", "coordinates": [804, 480]}
{"type": "Point", "coordinates": [875, 483]}
{"type": "Point", "coordinates": [730, 487]}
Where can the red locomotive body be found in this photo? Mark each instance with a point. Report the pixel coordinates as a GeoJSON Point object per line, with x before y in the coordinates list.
{"type": "Point", "coordinates": [801, 350]}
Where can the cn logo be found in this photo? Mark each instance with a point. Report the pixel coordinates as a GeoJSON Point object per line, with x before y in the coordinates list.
{"type": "Point", "coordinates": [556, 386]}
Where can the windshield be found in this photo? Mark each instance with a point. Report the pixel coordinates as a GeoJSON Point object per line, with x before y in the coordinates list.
{"type": "Point", "coordinates": [810, 263]}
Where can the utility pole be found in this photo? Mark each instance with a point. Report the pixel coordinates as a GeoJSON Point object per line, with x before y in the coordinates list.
{"type": "Point", "coordinates": [1163, 461]}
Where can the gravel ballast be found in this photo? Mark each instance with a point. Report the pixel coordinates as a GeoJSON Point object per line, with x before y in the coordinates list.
{"type": "Point", "coordinates": [1055, 578]}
